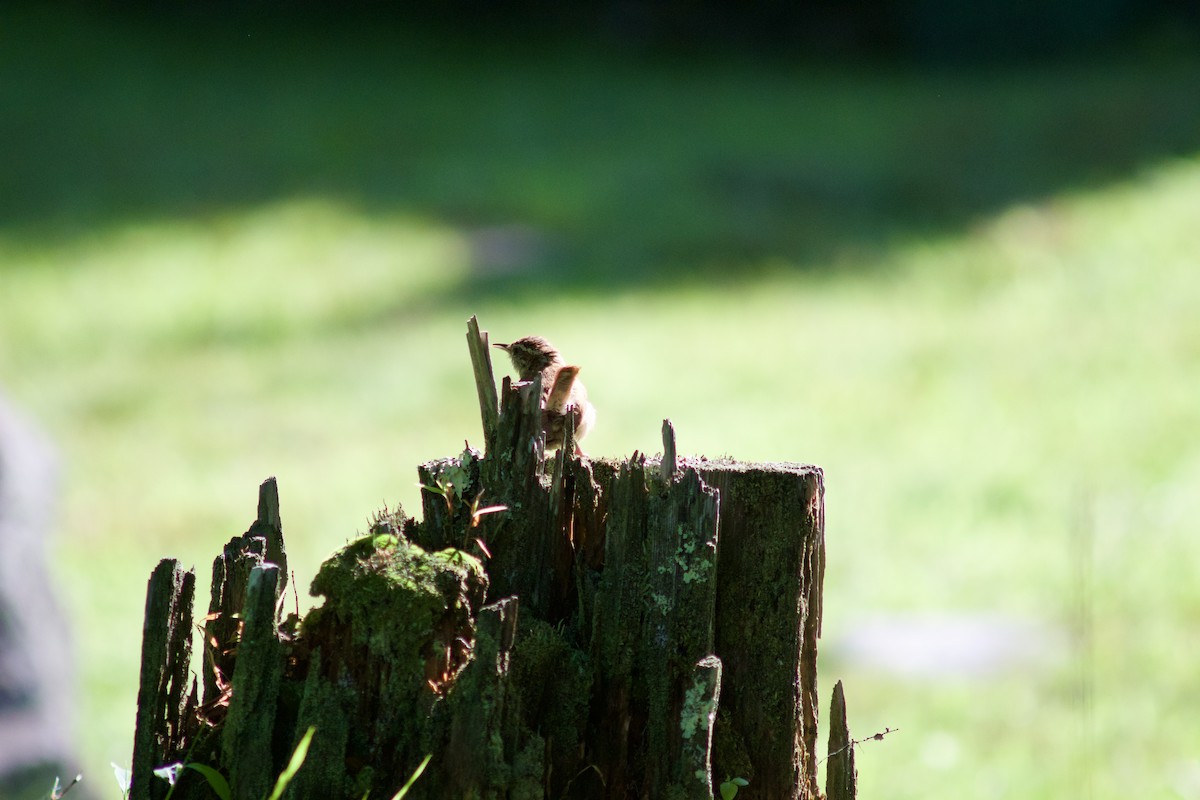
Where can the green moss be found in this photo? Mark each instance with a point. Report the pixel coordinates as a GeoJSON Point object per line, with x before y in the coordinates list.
{"type": "Point", "coordinates": [396, 618]}
{"type": "Point", "coordinates": [392, 593]}
{"type": "Point", "coordinates": [323, 704]}
{"type": "Point", "coordinates": [695, 711]}
{"type": "Point", "coordinates": [554, 682]}
{"type": "Point", "coordinates": [729, 750]}
{"type": "Point", "coordinates": [528, 771]}
{"type": "Point", "coordinates": [363, 782]}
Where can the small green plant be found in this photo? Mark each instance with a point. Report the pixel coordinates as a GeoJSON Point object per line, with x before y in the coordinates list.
{"type": "Point", "coordinates": [220, 786]}
{"type": "Point", "coordinates": [730, 787]}
{"type": "Point", "coordinates": [416, 774]}
{"type": "Point", "coordinates": [218, 783]}
{"type": "Point", "coordinates": [294, 764]}
{"type": "Point", "coordinates": [448, 489]}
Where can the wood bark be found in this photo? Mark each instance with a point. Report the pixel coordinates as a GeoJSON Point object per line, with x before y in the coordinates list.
{"type": "Point", "coordinates": [553, 627]}
{"type": "Point", "coordinates": [165, 714]}
{"type": "Point", "coordinates": [841, 777]}
{"type": "Point", "coordinates": [249, 728]}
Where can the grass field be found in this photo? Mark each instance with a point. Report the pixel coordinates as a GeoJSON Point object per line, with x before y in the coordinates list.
{"type": "Point", "coordinates": [230, 249]}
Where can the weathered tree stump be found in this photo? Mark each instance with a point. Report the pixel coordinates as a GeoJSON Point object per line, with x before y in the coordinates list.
{"type": "Point", "coordinates": [554, 627]}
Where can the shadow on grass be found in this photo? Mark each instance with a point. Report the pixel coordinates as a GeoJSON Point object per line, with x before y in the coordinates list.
{"type": "Point", "coordinates": [572, 166]}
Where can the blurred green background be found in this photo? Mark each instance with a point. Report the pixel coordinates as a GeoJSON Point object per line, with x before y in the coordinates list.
{"type": "Point", "coordinates": [235, 245]}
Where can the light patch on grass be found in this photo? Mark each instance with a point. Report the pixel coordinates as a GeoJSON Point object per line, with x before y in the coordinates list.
{"type": "Point", "coordinates": [245, 278]}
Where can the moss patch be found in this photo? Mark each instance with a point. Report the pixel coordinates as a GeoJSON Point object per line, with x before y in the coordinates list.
{"type": "Point", "coordinates": [554, 681]}
{"type": "Point", "coordinates": [393, 594]}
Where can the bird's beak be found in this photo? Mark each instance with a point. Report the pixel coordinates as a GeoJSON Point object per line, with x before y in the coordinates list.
{"type": "Point", "coordinates": [503, 347]}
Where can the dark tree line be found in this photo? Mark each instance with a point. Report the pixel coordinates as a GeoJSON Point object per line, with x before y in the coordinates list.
{"type": "Point", "coordinates": [926, 30]}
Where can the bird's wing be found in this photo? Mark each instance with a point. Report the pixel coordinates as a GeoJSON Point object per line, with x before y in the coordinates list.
{"type": "Point", "coordinates": [560, 392]}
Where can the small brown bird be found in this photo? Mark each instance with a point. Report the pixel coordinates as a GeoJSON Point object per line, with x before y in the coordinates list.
{"type": "Point", "coordinates": [562, 391]}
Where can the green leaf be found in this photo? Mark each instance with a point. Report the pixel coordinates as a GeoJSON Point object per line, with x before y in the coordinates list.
{"type": "Point", "coordinates": [729, 788]}
{"type": "Point", "coordinates": [297, 761]}
{"type": "Point", "coordinates": [404, 789]}
{"type": "Point", "coordinates": [216, 780]}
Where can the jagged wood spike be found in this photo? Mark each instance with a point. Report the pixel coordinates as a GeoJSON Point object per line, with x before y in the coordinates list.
{"type": "Point", "coordinates": [249, 727]}
{"type": "Point", "coordinates": [668, 460]}
{"type": "Point", "coordinates": [164, 710]}
{"type": "Point", "coordinates": [841, 778]}
{"type": "Point", "coordinates": [230, 578]}
{"type": "Point", "coordinates": [485, 381]}
{"type": "Point", "coordinates": [269, 525]}
{"type": "Point", "coordinates": [568, 423]}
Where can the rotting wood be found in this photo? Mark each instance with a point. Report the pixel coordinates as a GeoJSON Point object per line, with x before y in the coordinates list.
{"type": "Point", "coordinates": [230, 580]}
{"type": "Point", "coordinates": [841, 777]}
{"type": "Point", "coordinates": [668, 457]}
{"type": "Point", "coordinates": [165, 712]}
{"type": "Point", "coordinates": [485, 383]}
{"type": "Point", "coordinates": [609, 629]}
{"type": "Point", "coordinates": [249, 728]}
{"type": "Point", "coordinates": [488, 711]}
{"type": "Point", "coordinates": [269, 526]}
{"type": "Point", "coordinates": [694, 770]}
{"type": "Point", "coordinates": [261, 543]}
{"type": "Point", "coordinates": [768, 617]}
